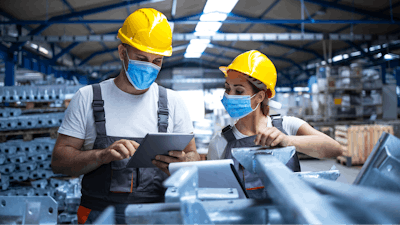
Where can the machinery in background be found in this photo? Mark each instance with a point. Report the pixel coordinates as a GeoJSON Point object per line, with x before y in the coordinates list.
{"type": "Point", "coordinates": [209, 192]}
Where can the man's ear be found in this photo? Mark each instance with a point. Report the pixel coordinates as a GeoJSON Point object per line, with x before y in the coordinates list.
{"type": "Point", "coordinates": [121, 52]}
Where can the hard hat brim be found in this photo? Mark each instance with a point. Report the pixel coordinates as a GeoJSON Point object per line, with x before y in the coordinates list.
{"type": "Point", "coordinates": [126, 40]}
{"type": "Point", "coordinates": [224, 69]}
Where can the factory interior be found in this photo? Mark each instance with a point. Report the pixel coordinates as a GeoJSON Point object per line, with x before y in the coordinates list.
{"type": "Point", "coordinates": [333, 71]}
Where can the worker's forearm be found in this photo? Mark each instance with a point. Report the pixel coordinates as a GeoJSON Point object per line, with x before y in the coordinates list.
{"type": "Point", "coordinates": [316, 146]}
{"type": "Point", "coordinates": [75, 162]}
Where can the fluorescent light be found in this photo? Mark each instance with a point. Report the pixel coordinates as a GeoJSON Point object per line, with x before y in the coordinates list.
{"type": "Point", "coordinates": [192, 55]}
{"type": "Point", "coordinates": [355, 53]}
{"type": "Point", "coordinates": [208, 26]}
{"type": "Point", "coordinates": [337, 58]}
{"type": "Point", "coordinates": [378, 55]}
{"type": "Point", "coordinates": [204, 33]}
{"type": "Point", "coordinates": [301, 89]}
{"type": "Point", "coordinates": [373, 48]}
{"type": "Point", "coordinates": [388, 57]}
{"type": "Point", "coordinates": [225, 6]}
{"type": "Point", "coordinates": [216, 16]}
{"type": "Point", "coordinates": [200, 41]}
{"type": "Point", "coordinates": [345, 56]}
{"type": "Point", "coordinates": [323, 63]}
{"type": "Point", "coordinates": [34, 46]}
{"type": "Point", "coordinates": [196, 48]}
{"type": "Point", "coordinates": [43, 50]}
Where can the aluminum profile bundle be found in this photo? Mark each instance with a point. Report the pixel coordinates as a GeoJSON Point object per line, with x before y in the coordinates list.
{"type": "Point", "coordinates": [36, 93]}
{"type": "Point", "coordinates": [38, 144]}
{"type": "Point", "coordinates": [31, 121]}
{"type": "Point", "coordinates": [10, 112]}
{"type": "Point", "coordinates": [20, 161]}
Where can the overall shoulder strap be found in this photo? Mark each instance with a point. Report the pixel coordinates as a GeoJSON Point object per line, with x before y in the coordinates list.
{"type": "Point", "coordinates": [277, 122]}
{"type": "Point", "coordinates": [293, 163]}
{"type": "Point", "coordinates": [227, 132]}
{"type": "Point", "coordinates": [98, 111]}
{"type": "Point", "coordinates": [162, 110]}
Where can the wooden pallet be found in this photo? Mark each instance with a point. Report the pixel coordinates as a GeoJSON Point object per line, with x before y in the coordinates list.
{"type": "Point", "coordinates": [29, 135]}
{"type": "Point", "coordinates": [358, 141]}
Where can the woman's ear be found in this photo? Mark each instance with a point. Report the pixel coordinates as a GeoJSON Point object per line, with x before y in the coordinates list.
{"type": "Point", "coordinates": [261, 96]}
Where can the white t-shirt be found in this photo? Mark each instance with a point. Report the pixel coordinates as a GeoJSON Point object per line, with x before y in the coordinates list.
{"type": "Point", "coordinates": [126, 115]}
{"type": "Point", "coordinates": [218, 143]}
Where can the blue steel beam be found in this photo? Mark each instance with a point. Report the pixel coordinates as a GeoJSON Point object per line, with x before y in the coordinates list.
{"type": "Point", "coordinates": [348, 26]}
{"type": "Point", "coordinates": [9, 79]}
{"type": "Point", "coordinates": [240, 51]}
{"type": "Point", "coordinates": [202, 62]}
{"type": "Point", "coordinates": [251, 25]}
{"type": "Point", "coordinates": [349, 9]}
{"type": "Point", "coordinates": [294, 47]}
{"type": "Point", "coordinates": [96, 54]}
{"type": "Point", "coordinates": [182, 21]}
{"type": "Point", "coordinates": [63, 52]}
{"type": "Point", "coordinates": [82, 13]}
{"type": "Point", "coordinates": [31, 62]}
{"type": "Point", "coordinates": [86, 25]}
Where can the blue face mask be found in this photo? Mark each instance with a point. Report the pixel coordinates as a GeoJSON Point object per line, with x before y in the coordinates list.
{"type": "Point", "coordinates": [238, 106]}
{"type": "Point", "coordinates": [141, 74]}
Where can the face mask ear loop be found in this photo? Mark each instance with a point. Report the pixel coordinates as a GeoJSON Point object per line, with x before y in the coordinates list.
{"type": "Point", "coordinates": [123, 63]}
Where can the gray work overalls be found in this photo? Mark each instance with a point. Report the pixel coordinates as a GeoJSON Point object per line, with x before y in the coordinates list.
{"type": "Point", "coordinates": [113, 183]}
{"type": "Point", "coordinates": [253, 185]}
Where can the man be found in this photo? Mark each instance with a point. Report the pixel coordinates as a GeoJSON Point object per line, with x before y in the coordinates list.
{"type": "Point", "coordinates": [105, 123]}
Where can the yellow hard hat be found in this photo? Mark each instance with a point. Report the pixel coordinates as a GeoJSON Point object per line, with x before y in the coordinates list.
{"type": "Point", "coordinates": [147, 30]}
{"type": "Point", "coordinates": [256, 65]}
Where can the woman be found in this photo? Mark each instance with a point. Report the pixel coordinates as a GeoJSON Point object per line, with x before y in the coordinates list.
{"type": "Point", "coordinates": [250, 83]}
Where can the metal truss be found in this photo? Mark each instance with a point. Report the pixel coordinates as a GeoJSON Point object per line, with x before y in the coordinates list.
{"type": "Point", "coordinates": [216, 37]}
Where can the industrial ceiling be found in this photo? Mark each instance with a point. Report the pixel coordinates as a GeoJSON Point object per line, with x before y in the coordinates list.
{"type": "Point", "coordinates": [374, 21]}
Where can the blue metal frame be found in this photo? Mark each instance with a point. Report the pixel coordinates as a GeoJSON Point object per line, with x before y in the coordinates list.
{"type": "Point", "coordinates": [66, 17]}
{"type": "Point", "coordinates": [9, 79]}
{"type": "Point", "coordinates": [30, 61]}
{"type": "Point", "coordinates": [348, 9]}
{"type": "Point", "coordinates": [87, 26]}
{"type": "Point", "coordinates": [63, 52]}
{"type": "Point", "coordinates": [95, 54]}
{"type": "Point", "coordinates": [198, 61]}
{"type": "Point", "coordinates": [45, 24]}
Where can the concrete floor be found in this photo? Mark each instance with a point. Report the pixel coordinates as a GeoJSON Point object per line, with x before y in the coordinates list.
{"type": "Point", "coordinates": [347, 174]}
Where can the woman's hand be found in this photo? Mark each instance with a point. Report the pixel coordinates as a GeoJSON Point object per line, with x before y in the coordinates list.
{"type": "Point", "coordinates": [271, 136]}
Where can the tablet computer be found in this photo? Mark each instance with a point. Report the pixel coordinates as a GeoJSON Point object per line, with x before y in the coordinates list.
{"type": "Point", "coordinates": [157, 144]}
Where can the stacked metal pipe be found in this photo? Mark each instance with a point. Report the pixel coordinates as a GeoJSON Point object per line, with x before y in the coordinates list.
{"type": "Point", "coordinates": [31, 121]}
{"type": "Point", "coordinates": [36, 93]}
{"type": "Point", "coordinates": [22, 161]}
{"type": "Point", "coordinates": [10, 112]}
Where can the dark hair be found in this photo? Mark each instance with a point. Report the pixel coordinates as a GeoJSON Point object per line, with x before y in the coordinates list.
{"type": "Point", "coordinates": [264, 108]}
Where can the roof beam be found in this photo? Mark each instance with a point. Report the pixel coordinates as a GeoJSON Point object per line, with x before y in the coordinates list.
{"type": "Point", "coordinates": [294, 47]}
{"type": "Point", "coordinates": [96, 54]}
{"type": "Point", "coordinates": [64, 51]}
{"type": "Point", "coordinates": [82, 13]}
{"type": "Point", "coordinates": [87, 26]}
{"type": "Point", "coordinates": [280, 22]}
{"type": "Point", "coordinates": [239, 51]}
{"type": "Point", "coordinates": [202, 62]}
{"type": "Point", "coordinates": [349, 9]}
